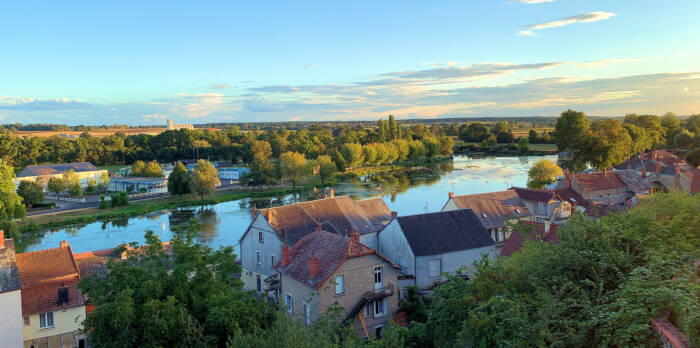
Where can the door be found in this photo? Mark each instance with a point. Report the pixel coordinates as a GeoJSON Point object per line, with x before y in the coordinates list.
{"type": "Point", "coordinates": [258, 280]}
{"type": "Point", "coordinates": [378, 278]}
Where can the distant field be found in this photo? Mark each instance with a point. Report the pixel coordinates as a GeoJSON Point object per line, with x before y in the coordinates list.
{"type": "Point", "coordinates": [525, 132]}
{"type": "Point", "coordinates": [97, 132]}
{"type": "Point", "coordinates": [542, 147]}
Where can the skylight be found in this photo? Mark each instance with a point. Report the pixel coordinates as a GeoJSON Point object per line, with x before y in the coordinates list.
{"type": "Point", "coordinates": [517, 211]}
{"type": "Point", "coordinates": [483, 215]}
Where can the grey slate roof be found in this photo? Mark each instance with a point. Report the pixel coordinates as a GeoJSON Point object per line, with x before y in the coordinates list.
{"type": "Point", "coordinates": [444, 232]}
{"type": "Point", "coordinates": [50, 169]}
{"type": "Point", "coordinates": [633, 180]}
{"type": "Point", "coordinates": [493, 208]}
{"type": "Point", "coordinates": [9, 273]}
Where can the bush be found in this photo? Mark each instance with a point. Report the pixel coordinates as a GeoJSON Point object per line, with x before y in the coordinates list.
{"type": "Point", "coordinates": [103, 202]}
{"type": "Point", "coordinates": [120, 199]}
{"type": "Point", "coordinates": [11, 229]}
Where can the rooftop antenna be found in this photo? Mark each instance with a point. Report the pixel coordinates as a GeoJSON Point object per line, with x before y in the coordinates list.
{"type": "Point", "coordinates": [425, 208]}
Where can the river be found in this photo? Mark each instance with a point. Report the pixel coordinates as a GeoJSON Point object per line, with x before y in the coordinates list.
{"type": "Point", "coordinates": [223, 224]}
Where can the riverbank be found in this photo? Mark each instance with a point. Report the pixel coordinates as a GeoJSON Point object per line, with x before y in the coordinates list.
{"type": "Point", "coordinates": [88, 215]}
{"type": "Point", "coordinates": [477, 149]}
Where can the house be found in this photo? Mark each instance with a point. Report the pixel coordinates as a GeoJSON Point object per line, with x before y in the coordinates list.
{"type": "Point", "coordinates": [547, 205]}
{"type": "Point", "coordinates": [427, 246]}
{"type": "Point", "coordinates": [261, 243]}
{"type": "Point", "coordinates": [138, 184]}
{"type": "Point", "coordinates": [85, 172]}
{"type": "Point", "coordinates": [10, 295]}
{"type": "Point", "coordinates": [535, 231]}
{"type": "Point", "coordinates": [53, 308]}
{"type": "Point", "coordinates": [494, 210]}
{"type": "Point", "coordinates": [604, 188]}
{"type": "Point", "coordinates": [323, 268]}
{"type": "Point", "coordinates": [661, 169]}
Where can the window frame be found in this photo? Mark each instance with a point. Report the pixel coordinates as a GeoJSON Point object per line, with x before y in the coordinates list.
{"type": "Point", "coordinates": [289, 302]}
{"type": "Point", "coordinates": [258, 257]}
{"type": "Point", "coordinates": [307, 313]}
{"type": "Point", "coordinates": [261, 237]}
{"type": "Point", "coordinates": [342, 283]}
{"type": "Point", "coordinates": [272, 260]}
{"type": "Point", "coordinates": [46, 316]}
{"type": "Point", "coordinates": [430, 269]}
{"type": "Point", "coordinates": [378, 303]}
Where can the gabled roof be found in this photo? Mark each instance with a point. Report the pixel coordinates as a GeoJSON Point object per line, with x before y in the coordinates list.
{"type": "Point", "coordinates": [42, 273]}
{"type": "Point", "coordinates": [50, 169]}
{"type": "Point", "coordinates": [632, 180]}
{"type": "Point", "coordinates": [95, 262]}
{"type": "Point", "coordinates": [339, 215]}
{"type": "Point", "coordinates": [444, 232]}
{"type": "Point", "coordinates": [9, 273]}
{"type": "Point", "coordinates": [569, 195]}
{"type": "Point", "coordinates": [535, 232]}
{"type": "Point", "coordinates": [331, 250]}
{"type": "Point", "coordinates": [598, 181]}
{"type": "Point", "coordinates": [492, 208]}
{"type": "Point", "coordinates": [534, 195]}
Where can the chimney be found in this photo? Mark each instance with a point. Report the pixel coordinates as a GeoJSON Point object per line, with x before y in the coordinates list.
{"type": "Point", "coordinates": [285, 254]}
{"type": "Point", "coordinates": [450, 195]}
{"type": "Point", "coordinates": [318, 226]}
{"type": "Point", "coordinates": [394, 214]}
{"type": "Point", "coordinates": [567, 178]}
{"type": "Point", "coordinates": [658, 167]}
{"type": "Point", "coordinates": [313, 266]}
{"type": "Point", "coordinates": [325, 196]}
{"type": "Point", "coordinates": [254, 211]}
{"type": "Point", "coordinates": [331, 192]}
{"type": "Point", "coordinates": [354, 235]}
{"type": "Point", "coordinates": [644, 170]}
{"type": "Point", "coordinates": [2, 239]}
{"type": "Point", "coordinates": [63, 244]}
{"type": "Point", "coordinates": [676, 169]}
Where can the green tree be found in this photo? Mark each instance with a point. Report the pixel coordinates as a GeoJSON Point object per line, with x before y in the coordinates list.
{"type": "Point", "coordinates": [684, 139]}
{"type": "Point", "coordinates": [403, 150]}
{"type": "Point", "coordinates": [339, 161]}
{"type": "Point", "coordinates": [353, 154]}
{"type": "Point", "coordinates": [693, 158]}
{"type": "Point", "coordinates": [56, 185]}
{"type": "Point", "coordinates": [369, 154]}
{"type": "Point", "coordinates": [542, 173]}
{"type": "Point", "coordinates": [570, 126]}
{"type": "Point", "coordinates": [104, 181]}
{"type": "Point", "coordinates": [179, 180]}
{"type": "Point", "coordinates": [194, 292]}
{"type": "Point", "coordinates": [672, 125]}
{"type": "Point", "coordinates": [119, 199]}
{"type": "Point", "coordinates": [523, 145]}
{"type": "Point", "coordinates": [294, 165]}
{"type": "Point", "coordinates": [640, 138]}
{"type": "Point", "coordinates": [608, 144]}
{"type": "Point", "coordinates": [205, 178]}
{"type": "Point", "coordinates": [31, 192]}
{"type": "Point", "coordinates": [489, 140]}
{"type": "Point", "coordinates": [446, 145]}
{"type": "Point", "coordinates": [91, 186]}
{"type": "Point", "coordinates": [11, 206]}
{"type": "Point", "coordinates": [70, 179]}
{"type": "Point", "coordinates": [326, 167]}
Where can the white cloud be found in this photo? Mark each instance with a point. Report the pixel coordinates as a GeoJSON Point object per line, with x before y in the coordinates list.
{"type": "Point", "coordinates": [526, 33]}
{"type": "Point", "coordinates": [590, 17]}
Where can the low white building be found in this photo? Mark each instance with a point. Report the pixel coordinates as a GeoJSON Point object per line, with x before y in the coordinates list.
{"type": "Point", "coordinates": [232, 173]}
{"type": "Point", "coordinates": [138, 184]}
{"type": "Point", "coordinates": [428, 246]}
{"type": "Point", "coordinates": [85, 171]}
{"type": "Point", "coordinates": [10, 295]}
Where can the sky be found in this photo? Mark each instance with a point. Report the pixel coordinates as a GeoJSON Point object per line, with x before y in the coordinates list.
{"type": "Point", "coordinates": [142, 62]}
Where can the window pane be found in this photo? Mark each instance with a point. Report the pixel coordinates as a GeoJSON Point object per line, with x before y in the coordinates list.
{"type": "Point", "coordinates": [340, 284]}
{"type": "Point", "coordinates": [49, 319]}
{"type": "Point", "coordinates": [42, 320]}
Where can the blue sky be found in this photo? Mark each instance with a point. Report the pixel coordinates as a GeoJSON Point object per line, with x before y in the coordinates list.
{"type": "Point", "coordinates": [196, 62]}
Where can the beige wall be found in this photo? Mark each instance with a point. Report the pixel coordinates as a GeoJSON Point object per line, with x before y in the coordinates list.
{"type": "Point", "coordinates": [613, 195]}
{"type": "Point", "coordinates": [65, 321]}
{"type": "Point", "coordinates": [11, 322]}
{"type": "Point", "coordinates": [84, 177]}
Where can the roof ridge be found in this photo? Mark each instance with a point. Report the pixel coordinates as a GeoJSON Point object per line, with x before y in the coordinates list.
{"type": "Point", "coordinates": [435, 213]}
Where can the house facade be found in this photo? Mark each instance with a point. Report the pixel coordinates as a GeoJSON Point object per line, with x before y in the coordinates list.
{"type": "Point", "coordinates": [662, 169]}
{"type": "Point", "coordinates": [261, 244]}
{"type": "Point", "coordinates": [428, 246]}
{"type": "Point", "coordinates": [324, 269]}
{"type": "Point", "coordinates": [495, 210]}
{"type": "Point", "coordinates": [10, 295]}
{"type": "Point", "coordinates": [85, 172]}
{"type": "Point", "coordinates": [53, 308]}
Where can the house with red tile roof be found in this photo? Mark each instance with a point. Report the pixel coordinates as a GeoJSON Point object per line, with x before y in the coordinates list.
{"type": "Point", "coordinates": [261, 244]}
{"type": "Point", "coordinates": [323, 269]}
{"type": "Point", "coordinates": [533, 231]}
{"type": "Point", "coordinates": [662, 169]}
{"type": "Point", "coordinates": [10, 295]}
{"type": "Point", "coordinates": [53, 308]}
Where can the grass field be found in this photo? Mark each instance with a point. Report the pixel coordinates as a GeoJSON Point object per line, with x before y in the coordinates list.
{"type": "Point", "coordinates": [96, 132]}
{"type": "Point", "coordinates": [542, 147]}
{"type": "Point", "coordinates": [523, 133]}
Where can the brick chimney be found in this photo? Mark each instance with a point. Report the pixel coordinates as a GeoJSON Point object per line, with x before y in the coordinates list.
{"type": "Point", "coordinates": [355, 236]}
{"type": "Point", "coordinates": [450, 195]}
{"type": "Point", "coordinates": [331, 192]}
{"type": "Point", "coordinates": [567, 178]}
{"type": "Point", "coordinates": [285, 254]}
{"type": "Point", "coordinates": [325, 196]}
{"type": "Point", "coordinates": [394, 214]}
{"type": "Point", "coordinates": [644, 170]}
{"type": "Point", "coordinates": [254, 211]}
{"type": "Point", "coordinates": [2, 239]}
{"type": "Point", "coordinates": [658, 167]}
{"type": "Point", "coordinates": [313, 266]}
{"type": "Point", "coordinates": [64, 243]}
{"type": "Point", "coordinates": [676, 169]}
{"type": "Point", "coordinates": [318, 226]}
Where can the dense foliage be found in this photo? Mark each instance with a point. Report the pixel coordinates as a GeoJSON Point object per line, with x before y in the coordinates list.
{"type": "Point", "coordinates": [599, 287]}
{"type": "Point", "coordinates": [205, 178]}
{"type": "Point", "coordinates": [11, 206]}
{"type": "Point", "coordinates": [179, 180]}
{"type": "Point", "coordinates": [31, 192]}
{"type": "Point", "coordinates": [542, 173]}
{"type": "Point", "coordinates": [147, 169]}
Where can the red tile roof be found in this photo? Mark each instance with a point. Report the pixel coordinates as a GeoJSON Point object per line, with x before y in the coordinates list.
{"type": "Point", "coordinates": [666, 329]}
{"type": "Point", "coordinates": [536, 232]}
{"type": "Point", "coordinates": [331, 250]}
{"type": "Point", "coordinates": [42, 273]}
{"type": "Point", "coordinates": [598, 181]}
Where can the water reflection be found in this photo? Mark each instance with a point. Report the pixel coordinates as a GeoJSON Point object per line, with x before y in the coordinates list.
{"type": "Point", "coordinates": [411, 191]}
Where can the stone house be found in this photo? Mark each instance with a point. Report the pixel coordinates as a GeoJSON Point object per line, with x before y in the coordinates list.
{"type": "Point", "coordinates": [261, 244]}
{"type": "Point", "coordinates": [495, 210]}
{"type": "Point", "coordinates": [428, 246]}
{"type": "Point", "coordinates": [53, 308]}
{"type": "Point", "coordinates": [324, 269]}
{"type": "Point", "coordinates": [662, 170]}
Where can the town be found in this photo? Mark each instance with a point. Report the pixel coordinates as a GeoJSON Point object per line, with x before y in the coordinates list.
{"type": "Point", "coordinates": [331, 254]}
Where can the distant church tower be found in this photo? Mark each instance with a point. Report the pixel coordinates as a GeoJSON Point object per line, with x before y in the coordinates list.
{"type": "Point", "coordinates": [170, 125]}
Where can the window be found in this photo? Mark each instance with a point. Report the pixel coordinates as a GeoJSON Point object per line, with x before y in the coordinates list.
{"type": "Point", "coordinates": [258, 282]}
{"type": "Point", "coordinates": [45, 320]}
{"type": "Point", "coordinates": [261, 237]}
{"type": "Point", "coordinates": [257, 257]}
{"type": "Point", "coordinates": [380, 307]}
{"type": "Point", "coordinates": [307, 312]}
{"type": "Point", "coordinates": [377, 277]}
{"type": "Point", "coordinates": [26, 321]}
{"type": "Point", "coordinates": [340, 284]}
{"type": "Point", "coordinates": [378, 331]}
{"type": "Point", "coordinates": [367, 309]}
{"type": "Point", "coordinates": [272, 260]}
{"type": "Point", "coordinates": [434, 268]}
{"type": "Point", "coordinates": [288, 303]}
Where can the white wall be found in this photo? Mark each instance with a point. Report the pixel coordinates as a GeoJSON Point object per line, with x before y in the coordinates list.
{"type": "Point", "coordinates": [450, 206]}
{"type": "Point", "coordinates": [11, 323]}
{"type": "Point", "coordinates": [65, 321]}
{"type": "Point", "coordinates": [370, 240]}
{"type": "Point", "coordinates": [449, 263]}
{"type": "Point", "coordinates": [394, 246]}
{"type": "Point", "coordinates": [250, 243]}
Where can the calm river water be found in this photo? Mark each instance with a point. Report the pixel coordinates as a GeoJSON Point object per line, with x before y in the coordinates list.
{"type": "Point", "coordinates": [224, 223]}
